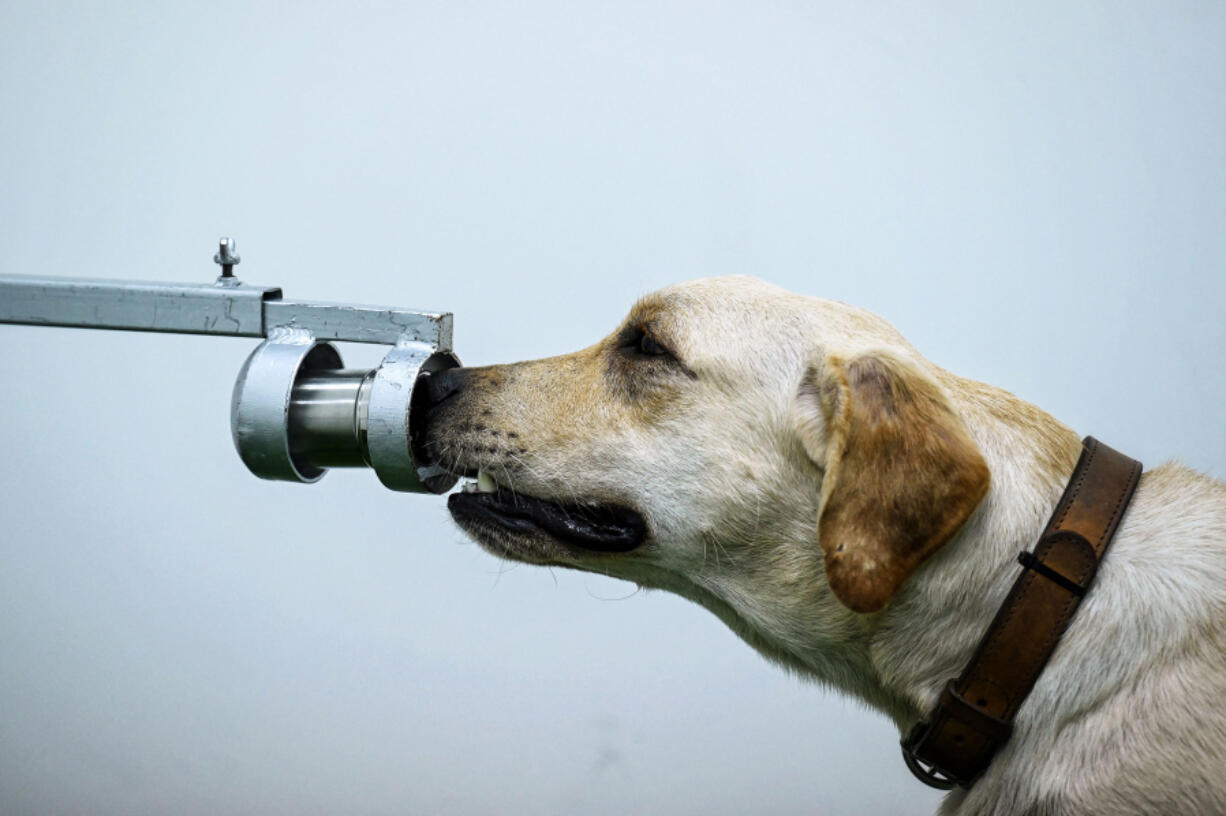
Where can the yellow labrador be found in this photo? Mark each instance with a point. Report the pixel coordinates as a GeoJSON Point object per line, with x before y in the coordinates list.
{"type": "Point", "coordinates": [854, 512]}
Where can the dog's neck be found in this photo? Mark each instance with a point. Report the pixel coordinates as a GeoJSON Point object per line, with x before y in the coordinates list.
{"type": "Point", "coordinates": [897, 660]}
{"type": "Point", "coordinates": [927, 635]}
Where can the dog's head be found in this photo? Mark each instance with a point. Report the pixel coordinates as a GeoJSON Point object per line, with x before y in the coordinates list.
{"type": "Point", "coordinates": [731, 441]}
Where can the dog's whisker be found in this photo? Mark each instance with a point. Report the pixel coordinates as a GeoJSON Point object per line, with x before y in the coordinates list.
{"type": "Point", "coordinates": [636, 591]}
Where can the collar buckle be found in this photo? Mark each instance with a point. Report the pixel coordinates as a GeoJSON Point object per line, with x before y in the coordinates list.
{"type": "Point", "coordinates": [925, 771]}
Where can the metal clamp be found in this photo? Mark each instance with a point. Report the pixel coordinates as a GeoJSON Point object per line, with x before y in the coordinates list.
{"type": "Point", "coordinates": [390, 432]}
{"type": "Point", "coordinates": [263, 397]}
{"type": "Point", "coordinates": [295, 411]}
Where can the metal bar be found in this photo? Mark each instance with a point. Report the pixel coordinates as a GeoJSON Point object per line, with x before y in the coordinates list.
{"type": "Point", "coordinates": [236, 311]}
{"type": "Point", "coordinates": [224, 308]}
{"type": "Point", "coordinates": [361, 324]}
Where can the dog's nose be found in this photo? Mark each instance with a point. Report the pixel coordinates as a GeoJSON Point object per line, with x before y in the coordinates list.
{"type": "Point", "coordinates": [441, 385]}
{"type": "Point", "coordinates": [431, 391]}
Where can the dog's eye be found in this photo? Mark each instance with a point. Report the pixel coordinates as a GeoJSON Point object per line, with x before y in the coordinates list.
{"type": "Point", "coordinates": [637, 342]}
{"type": "Point", "coordinates": [649, 346]}
{"type": "Point", "coordinates": [640, 358]}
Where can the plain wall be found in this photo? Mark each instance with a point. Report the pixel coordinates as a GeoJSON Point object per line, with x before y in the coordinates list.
{"type": "Point", "coordinates": [1034, 194]}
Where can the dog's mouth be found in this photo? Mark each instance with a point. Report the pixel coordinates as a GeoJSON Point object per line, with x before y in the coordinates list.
{"type": "Point", "coordinates": [605, 528]}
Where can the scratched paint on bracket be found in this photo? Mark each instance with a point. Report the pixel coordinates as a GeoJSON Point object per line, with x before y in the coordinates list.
{"type": "Point", "coordinates": [362, 324]}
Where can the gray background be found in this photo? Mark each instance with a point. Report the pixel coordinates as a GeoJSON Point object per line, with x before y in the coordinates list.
{"type": "Point", "coordinates": [1034, 194]}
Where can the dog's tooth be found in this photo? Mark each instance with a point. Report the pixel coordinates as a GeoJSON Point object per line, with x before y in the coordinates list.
{"type": "Point", "coordinates": [486, 483]}
{"type": "Point", "coordinates": [468, 487]}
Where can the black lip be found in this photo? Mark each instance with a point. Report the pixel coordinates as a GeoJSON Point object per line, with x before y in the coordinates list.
{"type": "Point", "coordinates": [607, 528]}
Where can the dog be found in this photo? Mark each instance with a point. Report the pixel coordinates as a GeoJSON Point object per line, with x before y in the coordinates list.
{"type": "Point", "coordinates": [764, 453]}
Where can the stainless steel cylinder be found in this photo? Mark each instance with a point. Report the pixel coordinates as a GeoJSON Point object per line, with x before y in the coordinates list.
{"type": "Point", "coordinates": [327, 417]}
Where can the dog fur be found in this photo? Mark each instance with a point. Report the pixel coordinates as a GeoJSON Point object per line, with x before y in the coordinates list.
{"type": "Point", "coordinates": [854, 513]}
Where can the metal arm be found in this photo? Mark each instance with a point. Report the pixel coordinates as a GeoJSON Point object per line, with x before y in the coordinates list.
{"type": "Point", "coordinates": [230, 309]}
{"type": "Point", "coordinates": [295, 410]}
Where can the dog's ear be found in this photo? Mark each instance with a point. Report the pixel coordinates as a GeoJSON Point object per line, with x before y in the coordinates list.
{"type": "Point", "coordinates": [901, 473]}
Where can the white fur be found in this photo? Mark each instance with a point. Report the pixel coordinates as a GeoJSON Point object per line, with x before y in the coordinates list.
{"type": "Point", "coordinates": [1127, 718]}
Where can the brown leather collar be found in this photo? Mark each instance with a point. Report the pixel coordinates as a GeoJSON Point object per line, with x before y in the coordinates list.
{"type": "Point", "coordinates": [974, 715]}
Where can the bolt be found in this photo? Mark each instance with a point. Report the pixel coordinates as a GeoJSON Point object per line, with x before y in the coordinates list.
{"type": "Point", "coordinates": [227, 256]}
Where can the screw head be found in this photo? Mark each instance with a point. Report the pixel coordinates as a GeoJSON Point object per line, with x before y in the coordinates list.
{"type": "Point", "coordinates": [227, 254]}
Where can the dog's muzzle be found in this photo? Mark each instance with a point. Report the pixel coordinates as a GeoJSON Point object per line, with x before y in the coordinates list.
{"type": "Point", "coordinates": [602, 527]}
